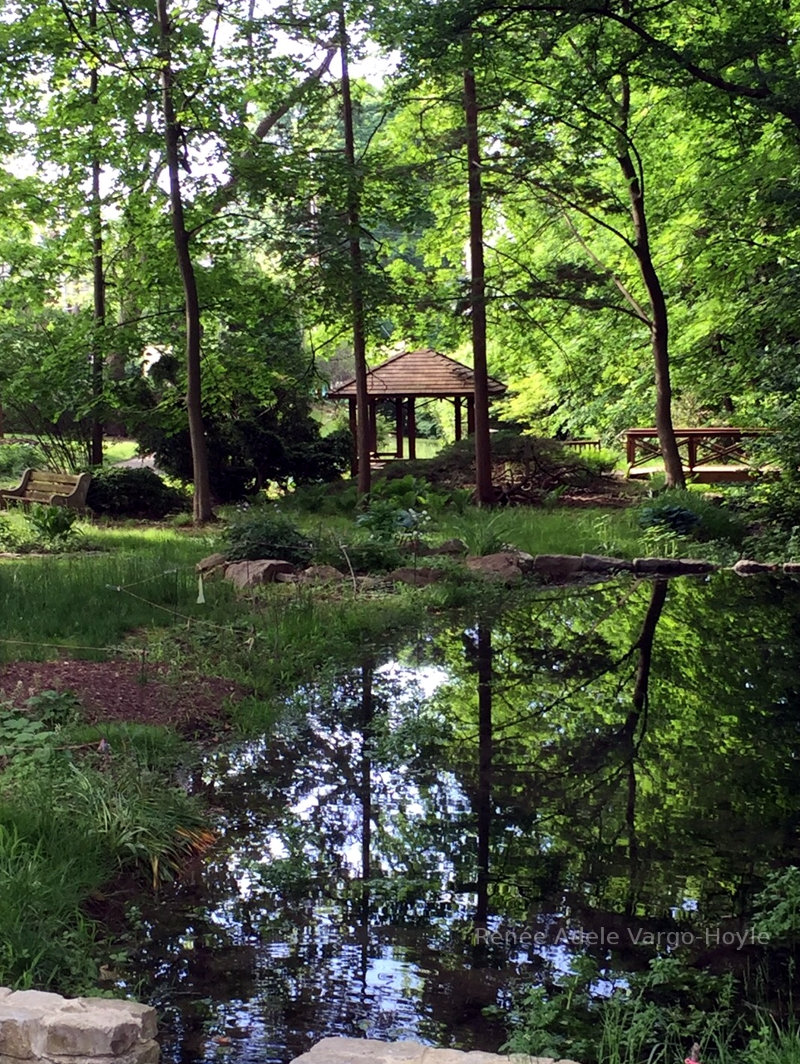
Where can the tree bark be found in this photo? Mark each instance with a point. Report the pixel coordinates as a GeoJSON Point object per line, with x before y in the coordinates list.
{"type": "Point", "coordinates": [356, 273]}
{"type": "Point", "coordinates": [202, 491]}
{"type": "Point", "coordinates": [483, 454]}
{"type": "Point", "coordinates": [659, 322]}
{"type": "Point", "coordinates": [98, 278]}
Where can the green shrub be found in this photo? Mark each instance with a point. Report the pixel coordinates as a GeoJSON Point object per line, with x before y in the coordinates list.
{"type": "Point", "coordinates": [673, 517]}
{"type": "Point", "coordinates": [139, 493]}
{"type": "Point", "coordinates": [688, 513]}
{"type": "Point", "coordinates": [9, 537]}
{"type": "Point", "coordinates": [325, 500]}
{"type": "Point", "coordinates": [52, 526]}
{"type": "Point", "coordinates": [405, 493]}
{"type": "Point", "coordinates": [364, 555]}
{"type": "Point", "coordinates": [262, 531]}
{"type": "Point", "coordinates": [15, 458]}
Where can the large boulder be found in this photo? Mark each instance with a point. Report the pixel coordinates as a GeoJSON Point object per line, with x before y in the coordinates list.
{"type": "Point", "coordinates": [505, 566]}
{"type": "Point", "coordinates": [416, 577]}
{"type": "Point", "coordinates": [211, 564]}
{"type": "Point", "coordinates": [557, 566]}
{"type": "Point", "coordinates": [321, 574]}
{"type": "Point", "coordinates": [253, 573]}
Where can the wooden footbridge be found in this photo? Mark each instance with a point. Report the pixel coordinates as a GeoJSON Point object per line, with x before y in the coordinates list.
{"type": "Point", "coordinates": [713, 455]}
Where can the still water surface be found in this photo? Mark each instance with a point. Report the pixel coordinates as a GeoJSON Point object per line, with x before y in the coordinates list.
{"type": "Point", "coordinates": [602, 771]}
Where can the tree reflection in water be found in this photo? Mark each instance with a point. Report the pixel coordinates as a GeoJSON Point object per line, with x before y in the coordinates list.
{"type": "Point", "coordinates": [619, 757]}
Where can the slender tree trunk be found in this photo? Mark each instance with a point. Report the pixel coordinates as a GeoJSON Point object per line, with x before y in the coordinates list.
{"type": "Point", "coordinates": [485, 752]}
{"type": "Point", "coordinates": [659, 328]}
{"type": "Point", "coordinates": [356, 272]}
{"type": "Point", "coordinates": [98, 279]}
{"type": "Point", "coordinates": [202, 490]}
{"type": "Point", "coordinates": [483, 454]}
{"type": "Point", "coordinates": [637, 719]}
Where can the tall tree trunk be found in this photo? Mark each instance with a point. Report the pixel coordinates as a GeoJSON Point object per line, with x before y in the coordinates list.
{"type": "Point", "coordinates": [659, 328]}
{"type": "Point", "coordinates": [483, 454]}
{"type": "Point", "coordinates": [356, 272]}
{"type": "Point", "coordinates": [98, 277]}
{"type": "Point", "coordinates": [202, 490]}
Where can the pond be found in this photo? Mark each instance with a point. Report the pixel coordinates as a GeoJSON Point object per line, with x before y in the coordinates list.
{"type": "Point", "coordinates": [601, 772]}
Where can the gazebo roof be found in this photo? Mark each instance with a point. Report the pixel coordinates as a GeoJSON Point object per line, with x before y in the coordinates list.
{"type": "Point", "coordinates": [424, 373]}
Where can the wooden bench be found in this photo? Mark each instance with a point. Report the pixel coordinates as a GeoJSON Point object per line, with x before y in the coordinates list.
{"type": "Point", "coordinates": [51, 489]}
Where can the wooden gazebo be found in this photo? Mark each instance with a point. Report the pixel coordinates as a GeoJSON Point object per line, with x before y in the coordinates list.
{"type": "Point", "coordinates": [412, 375]}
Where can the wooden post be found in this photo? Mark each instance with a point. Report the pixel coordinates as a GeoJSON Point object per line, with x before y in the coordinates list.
{"type": "Point", "coordinates": [630, 447]}
{"type": "Point", "coordinates": [412, 429]}
{"type": "Point", "coordinates": [470, 415]}
{"type": "Point", "coordinates": [351, 402]}
{"type": "Point", "coordinates": [373, 426]}
{"type": "Point", "coordinates": [457, 405]}
{"type": "Point", "coordinates": [398, 430]}
{"type": "Point", "coordinates": [692, 451]}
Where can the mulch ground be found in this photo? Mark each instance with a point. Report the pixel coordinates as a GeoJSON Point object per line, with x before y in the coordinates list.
{"type": "Point", "coordinates": [123, 691]}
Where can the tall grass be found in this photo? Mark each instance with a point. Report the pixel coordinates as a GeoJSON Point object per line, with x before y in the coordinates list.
{"type": "Point", "coordinates": [560, 530]}
{"type": "Point", "coordinates": [88, 600]}
{"type": "Point", "coordinates": [65, 831]}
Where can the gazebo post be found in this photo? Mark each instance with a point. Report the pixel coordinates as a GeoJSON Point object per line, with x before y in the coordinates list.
{"type": "Point", "coordinates": [398, 417]}
{"type": "Point", "coordinates": [457, 408]}
{"type": "Point", "coordinates": [412, 429]}
{"type": "Point", "coordinates": [470, 414]}
{"type": "Point", "coordinates": [373, 425]}
{"type": "Point", "coordinates": [351, 403]}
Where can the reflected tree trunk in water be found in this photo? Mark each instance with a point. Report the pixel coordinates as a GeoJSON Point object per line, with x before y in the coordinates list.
{"type": "Point", "coordinates": [637, 722]}
{"type": "Point", "coordinates": [367, 717]}
{"type": "Point", "coordinates": [484, 796]}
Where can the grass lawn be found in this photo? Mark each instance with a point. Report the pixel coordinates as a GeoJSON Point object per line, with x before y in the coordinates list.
{"type": "Point", "coordinates": [118, 450]}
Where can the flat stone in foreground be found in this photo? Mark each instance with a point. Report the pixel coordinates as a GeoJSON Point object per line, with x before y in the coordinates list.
{"type": "Point", "coordinates": [43, 1028]}
{"type": "Point", "coordinates": [372, 1051]}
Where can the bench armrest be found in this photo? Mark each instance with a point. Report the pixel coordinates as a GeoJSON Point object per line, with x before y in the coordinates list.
{"type": "Point", "coordinates": [16, 493]}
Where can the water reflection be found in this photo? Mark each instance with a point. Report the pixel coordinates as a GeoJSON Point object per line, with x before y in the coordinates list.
{"type": "Point", "coordinates": [420, 835]}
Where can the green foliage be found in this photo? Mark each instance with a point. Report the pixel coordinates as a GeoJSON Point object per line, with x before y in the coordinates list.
{"type": "Point", "coordinates": [29, 731]}
{"type": "Point", "coordinates": [652, 1017]}
{"type": "Point", "coordinates": [65, 829]}
{"type": "Point", "coordinates": [325, 500]}
{"type": "Point", "coordinates": [687, 513]}
{"type": "Point", "coordinates": [138, 820]}
{"type": "Point", "coordinates": [484, 532]}
{"type": "Point", "coordinates": [8, 534]}
{"type": "Point", "coordinates": [668, 515]}
{"type": "Point", "coordinates": [352, 549]}
{"type": "Point", "coordinates": [21, 733]}
{"type": "Point", "coordinates": [45, 940]}
{"type": "Point", "coordinates": [120, 492]}
{"type": "Point", "coordinates": [777, 907]}
{"type": "Point", "coordinates": [262, 531]}
{"type": "Point", "coordinates": [406, 492]}
{"type": "Point", "coordinates": [53, 526]}
{"type": "Point", "coordinates": [15, 458]}
{"type": "Point", "coordinates": [385, 522]}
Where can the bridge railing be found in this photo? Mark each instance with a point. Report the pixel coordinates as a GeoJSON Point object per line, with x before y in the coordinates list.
{"type": "Point", "coordinates": [715, 452]}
